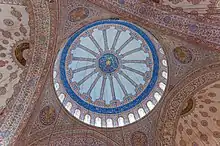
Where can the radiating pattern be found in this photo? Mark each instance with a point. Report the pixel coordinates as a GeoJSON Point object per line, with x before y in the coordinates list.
{"type": "Point", "coordinates": [199, 123]}
{"type": "Point", "coordinates": [102, 65]}
{"type": "Point", "coordinates": [109, 67]}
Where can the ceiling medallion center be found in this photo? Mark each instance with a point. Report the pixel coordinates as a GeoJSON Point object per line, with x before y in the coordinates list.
{"type": "Point", "coordinates": [108, 63]}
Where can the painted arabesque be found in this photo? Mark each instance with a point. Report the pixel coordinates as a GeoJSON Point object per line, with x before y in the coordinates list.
{"type": "Point", "coordinates": [32, 114]}
{"type": "Point", "coordinates": [110, 73]}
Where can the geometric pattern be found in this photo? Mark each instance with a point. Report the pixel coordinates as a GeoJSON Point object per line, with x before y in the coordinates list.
{"type": "Point", "coordinates": [109, 67]}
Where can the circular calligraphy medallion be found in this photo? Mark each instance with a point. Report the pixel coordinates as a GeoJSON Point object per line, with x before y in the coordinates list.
{"type": "Point", "coordinates": [108, 63]}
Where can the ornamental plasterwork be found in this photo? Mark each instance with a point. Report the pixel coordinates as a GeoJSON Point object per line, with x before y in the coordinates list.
{"type": "Point", "coordinates": [75, 14]}
{"type": "Point", "coordinates": [64, 123]}
{"type": "Point", "coordinates": [14, 32]}
{"type": "Point", "coordinates": [39, 16]}
{"type": "Point", "coordinates": [12, 2]}
{"type": "Point", "coordinates": [196, 8]}
{"type": "Point", "coordinates": [191, 6]}
{"type": "Point", "coordinates": [197, 29]}
{"type": "Point", "coordinates": [182, 92]}
{"type": "Point", "coordinates": [112, 69]}
{"type": "Point", "coordinates": [40, 31]}
{"type": "Point", "coordinates": [185, 57]}
{"type": "Point", "coordinates": [199, 123]}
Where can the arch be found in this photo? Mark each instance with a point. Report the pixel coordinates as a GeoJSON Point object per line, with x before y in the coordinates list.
{"type": "Point", "coordinates": [131, 118]}
{"type": "Point", "coordinates": [98, 122]}
{"type": "Point", "coordinates": [141, 112]}
{"type": "Point", "coordinates": [164, 74]}
{"type": "Point", "coordinates": [157, 96]}
{"type": "Point", "coordinates": [61, 97]}
{"type": "Point", "coordinates": [87, 119]}
{"type": "Point", "coordinates": [109, 123]}
{"type": "Point", "coordinates": [184, 90]}
{"type": "Point", "coordinates": [161, 51]}
{"type": "Point", "coordinates": [54, 74]}
{"type": "Point", "coordinates": [57, 86]}
{"type": "Point", "coordinates": [164, 62]}
{"type": "Point", "coordinates": [68, 106]}
{"type": "Point", "coordinates": [84, 135]}
{"type": "Point", "coordinates": [206, 102]}
{"type": "Point", "coordinates": [162, 86]}
{"type": "Point", "coordinates": [77, 113]}
{"type": "Point", "coordinates": [121, 121]}
{"type": "Point", "coordinates": [34, 76]}
{"type": "Point", "coordinates": [150, 105]}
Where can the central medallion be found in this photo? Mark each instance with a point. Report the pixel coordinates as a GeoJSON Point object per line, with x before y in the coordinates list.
{"type": "Point", "coordinates": [110, 69]}
{"type": "Point", "coordinates": [108, 63]}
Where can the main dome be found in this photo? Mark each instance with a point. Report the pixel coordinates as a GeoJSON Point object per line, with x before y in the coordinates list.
{"type": "Point", "coordinates": [110, 73]}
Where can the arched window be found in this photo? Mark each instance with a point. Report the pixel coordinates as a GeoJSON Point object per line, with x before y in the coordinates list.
{"type": "Point", "coordinates": [150, 105]}
{"type": "Point", "coordinates": [87, 119]}
{"type": "Point", "coordinates": [157, 96]}
{"type": "Point", "coordinates": [109, 123]}
{"type": "Point", "coordinates": [98, 122]}
{"type": "Point", "coordinates": [162, 86]}
{"type": "Point", "coordinates": [61, 97]}
{"type": "Point", "coordinates": [68, 106]}
{"type": "Point", "coordinates": [164, 62]}
{"type": "Point", "coordinates": [141, 112]}
{"type": "Point", "coordinates": [164, 74]}
{"type": "Point", "coordinates": [131, 118]}
{"type": "Point", "coordinates": [120, 121]}
{"type": "Point", "coordinates": [161, 51]}
{"type": "Point", "coordinates": [56, 86]}
{"type": "Point", "coordinates": [54, 74]}
{"type": "Point", "coordinates": [77, 113]}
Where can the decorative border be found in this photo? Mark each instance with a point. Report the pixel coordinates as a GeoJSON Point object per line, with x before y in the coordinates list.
{"type": "Point", "coordinates": [30, 86]}
{"type": "Point", "coordinates": [122, 108]}
{"type": "Point", "coordinates": [185, 89]}
{"type": "Point", "coordinates": [183, 26]}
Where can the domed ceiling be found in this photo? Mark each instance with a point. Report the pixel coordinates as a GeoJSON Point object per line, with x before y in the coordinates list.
{"type": "Point", "coordinates": [14, 44]}
{"type": "Point", "coordinates": [199, 123]}
{"type": "Point", "coordinates": [110, 73]}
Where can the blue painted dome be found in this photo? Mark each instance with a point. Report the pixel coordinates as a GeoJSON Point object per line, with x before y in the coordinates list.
{"type": "Point", "coordinates": [110, 68]}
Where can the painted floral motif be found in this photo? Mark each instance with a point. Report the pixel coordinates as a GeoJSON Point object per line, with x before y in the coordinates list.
{"type": "Point", "coordinates": [108, 63]}
{"type": "Point", "coordinates": [139, 139]}
{"type": "Point", "coordinates": [194, 2]}
{"type": "Point", "coordinates": [182, 54]}
{"type": "Point", "coordinates": [3, 63]}
{"type": "Point", "coordinates": [16, 13]}
{"type": "Point", "coordinates": [8, 22]}
{"type": "Point", "coordinates": [47, 115]}
{"type": "Point", "coordinates": [78, 14]}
